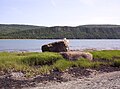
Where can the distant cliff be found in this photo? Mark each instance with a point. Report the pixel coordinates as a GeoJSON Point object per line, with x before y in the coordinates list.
{"type": "Point", "coordinates": [58, 32]}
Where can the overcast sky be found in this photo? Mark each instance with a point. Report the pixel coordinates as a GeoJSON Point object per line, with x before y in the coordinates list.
{"type": "Point", "coordinates": [60, 12]}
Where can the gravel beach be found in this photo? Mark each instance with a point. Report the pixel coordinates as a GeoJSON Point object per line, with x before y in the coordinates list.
{"type": "Point", "coordinates": [76, 78]}
{"type": "Point", "coordinates": [101, 81]}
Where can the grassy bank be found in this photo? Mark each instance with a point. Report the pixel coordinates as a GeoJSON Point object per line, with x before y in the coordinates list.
{"type": "Point", "coordinates": [34, 63]}
{"type": "Point", "coordinates": [110, 57]}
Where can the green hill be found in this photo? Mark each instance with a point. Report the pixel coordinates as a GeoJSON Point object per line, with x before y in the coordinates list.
{"type": "Point", "coordinates": [9, 28]}
{"type": "Point", "coordinates": [57, 32]}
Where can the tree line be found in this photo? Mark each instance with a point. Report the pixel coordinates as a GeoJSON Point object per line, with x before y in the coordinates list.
{"type": "Point", "coordinates": [59, 32]}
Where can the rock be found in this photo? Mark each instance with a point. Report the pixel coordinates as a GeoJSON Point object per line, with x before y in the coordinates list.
{"type": "Point", "coordinates": [60, 46]}
{"type": "Point", "coordinates": [74, 55]}
{"type": "Point", "coordinates": [17, 75]}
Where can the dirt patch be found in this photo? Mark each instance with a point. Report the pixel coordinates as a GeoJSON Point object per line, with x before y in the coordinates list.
{"type": "Point", "coordinates": [9, 82]}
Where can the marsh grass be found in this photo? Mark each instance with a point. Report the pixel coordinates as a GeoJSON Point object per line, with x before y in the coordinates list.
{"type": "Point", "coordinates": [109, 57]}
{"type": "Point", "coordinates": [46, 58]}
{"type": "Point", "coordinates": [62, 65]}
{"type": "Point", "coordinates": [84, 63]}
{"type": "Point", "coordinates": [116, 63]}
{"type": "Point", "coordinates": [34, 63]}
{"type": "Point", "coordinates": [28, 63]}
{"type": "Point", "coordinates": [45, 69]}
{"type": "Point", "coordinates": [106, 54]}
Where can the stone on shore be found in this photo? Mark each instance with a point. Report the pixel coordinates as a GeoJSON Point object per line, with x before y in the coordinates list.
{"type": "Point", "coordinates": [60, 46]}
{"type": "Point", "coordinates": [75, 55]}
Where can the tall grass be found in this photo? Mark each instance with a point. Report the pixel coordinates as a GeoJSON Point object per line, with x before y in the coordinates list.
{"type": "Point", "coordinates": [34, 63]}
{"type": "Point", "coordinates": [46, 58]}
{"type": "Point", "coordinates": [84, 63]}
{"type": "Point", "coordinates": [116, 63]}
{"type": "Point", "coordinates": [62, 65]}
{"type": "Point", "coordinates": [28, 63]}
{"type": "Point", "coordinates": [110, 57]}
{"type": "Point", "coordinates": [106, 54]}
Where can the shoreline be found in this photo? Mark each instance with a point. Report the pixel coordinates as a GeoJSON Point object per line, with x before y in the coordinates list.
{"type": "Point", "coordinates": [110, 81]}
{"type": "Point", "coordinates": [38, 50]}
{"type": "Point", "coordinates": [28, 70]}
{"type": "Point", "coordinates": [57, 80]}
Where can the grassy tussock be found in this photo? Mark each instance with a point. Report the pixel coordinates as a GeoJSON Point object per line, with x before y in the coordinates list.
{"type": "Point", "coordinates": [34, 63]}
{"type": "Point", "coordinates": [46, 58]}
{"type": "Point", "coordinates": [62, 65]}
{"type": "Point", "coordinates": [116, 63]}
{"type": "Point", "coordinates": [112, 57]}
{"type": "Point", "coordinates": [106, 54]}
{"type": "Point", "coordinates": [84, 63]}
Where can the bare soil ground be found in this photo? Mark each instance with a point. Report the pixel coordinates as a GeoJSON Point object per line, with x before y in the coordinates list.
{"type": "Point", "coordinates": [75, 78]}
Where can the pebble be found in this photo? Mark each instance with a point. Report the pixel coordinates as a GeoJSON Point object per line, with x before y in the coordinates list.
{"type": "Point", "coordinates": [101, 81]}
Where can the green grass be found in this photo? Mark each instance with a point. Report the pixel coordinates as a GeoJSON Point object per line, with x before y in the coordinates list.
{"type": "Point", "coordinates": [84, 63]}
{"type": "Point", "coordinates": [116, 63]}
{"type": "Point", "coordinates": [34, 63]}
{"type": "Point", "coordinates": [29, 63]}
{"type": "Point", "coordinates": [62, 65]}
{"type": "Point", "coordinates": [110, 57]}
{"type": "Point", "coordinates": [46, 58]}
{"type": "Point", "coordinates": [106, 54]}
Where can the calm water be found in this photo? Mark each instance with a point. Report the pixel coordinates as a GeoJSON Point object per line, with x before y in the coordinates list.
{"type": "Point", "coordinates": [76, 44]}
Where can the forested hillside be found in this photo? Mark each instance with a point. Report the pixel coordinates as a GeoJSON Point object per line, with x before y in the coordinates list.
{"type": "Point", "coordinates": [57, 32]}
{"type": "Point", "coordinates": [9, 28]}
